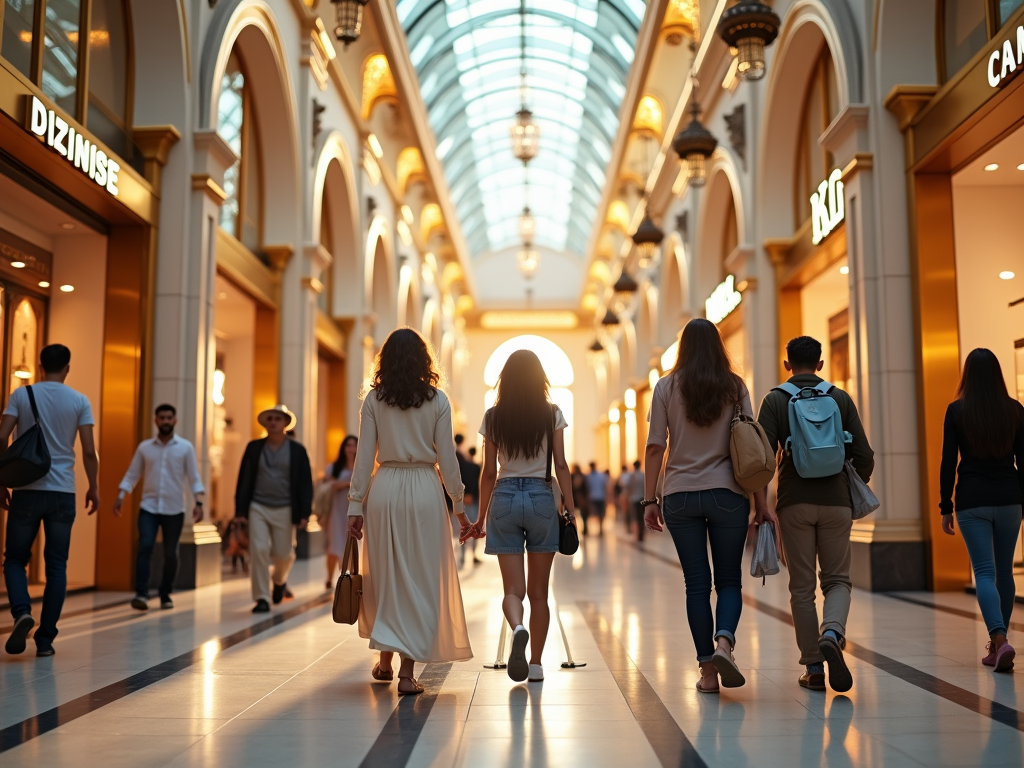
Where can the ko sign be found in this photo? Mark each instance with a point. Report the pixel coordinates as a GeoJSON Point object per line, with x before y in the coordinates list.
{"type": "Point", "coordinates": [828, 208]}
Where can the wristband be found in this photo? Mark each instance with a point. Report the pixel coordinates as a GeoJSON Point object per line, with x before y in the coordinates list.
{"type": "Point", "coordinates": [648, 502]}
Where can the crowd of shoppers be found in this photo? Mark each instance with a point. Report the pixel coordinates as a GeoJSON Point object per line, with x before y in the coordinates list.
{"type": "Point", "coordinates": [411, 599]}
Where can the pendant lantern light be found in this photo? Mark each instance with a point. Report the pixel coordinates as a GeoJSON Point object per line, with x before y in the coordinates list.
{"type": "Point", "coordinates": [647, 238]}
{"type": "Point", "coordinates": [610, 318]}
{"type": "Point", "coordinates": [625, 287]}
{"type": "Point", "coordinates": [749, 27]}
{"type": "Point", "coordinates": [529, 260]}
{"type": "Point", "coordinates": [524, 132]}
{"type": "Point", "coordinates": [695, 144]}
{"type": "Point", "coordinates": [527, 225]}
{"type": "Point", "coordinates": [349, 20]}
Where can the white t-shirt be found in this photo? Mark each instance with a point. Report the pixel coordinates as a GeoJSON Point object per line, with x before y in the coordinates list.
{"type": "Point", "coordinates": [62, 411]}
{"type": "Point", "coordinates": [523, 466]}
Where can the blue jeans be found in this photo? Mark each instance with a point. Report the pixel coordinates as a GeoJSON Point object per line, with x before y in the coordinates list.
{"type": "Point", "coordinates": [56, 511]}
{"type": "Point", "coordinates": [148, 526]}
{"type": "Point", "coordinates": [990, 534]}
{"type": "Point", "coordinates": [522, 513]}
{"type": "Point", "coordinates": [693, 518]}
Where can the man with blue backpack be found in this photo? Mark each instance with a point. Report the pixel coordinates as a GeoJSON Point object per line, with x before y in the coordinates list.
{"type": "Point", "coordinates": [819, 429]}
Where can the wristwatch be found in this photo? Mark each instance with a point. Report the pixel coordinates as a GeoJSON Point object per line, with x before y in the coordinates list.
{"type": "Point", "coordinates": [648, 502]}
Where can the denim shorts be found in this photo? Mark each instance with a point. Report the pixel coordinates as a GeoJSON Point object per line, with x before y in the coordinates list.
{"type": "Point", "coordinates": [522, 512]}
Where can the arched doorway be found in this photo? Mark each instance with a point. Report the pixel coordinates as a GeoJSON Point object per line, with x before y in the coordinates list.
{"type": "Point", "coordinates": [557, 366]}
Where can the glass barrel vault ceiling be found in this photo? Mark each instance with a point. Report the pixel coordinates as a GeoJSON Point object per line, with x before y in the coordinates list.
{"type": "Point", "coordinates": [578, 54]}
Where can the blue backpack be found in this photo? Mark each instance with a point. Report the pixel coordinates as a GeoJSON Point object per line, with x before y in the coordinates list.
{"type": "Point", "coordinates": [817, 441]}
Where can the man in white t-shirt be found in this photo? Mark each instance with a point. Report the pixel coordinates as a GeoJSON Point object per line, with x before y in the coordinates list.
{"type": "Point", "coordinates": [50, 501]}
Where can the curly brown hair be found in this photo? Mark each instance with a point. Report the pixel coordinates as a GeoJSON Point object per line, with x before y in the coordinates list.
{"type": "Point", "coordinates": [405, 373]}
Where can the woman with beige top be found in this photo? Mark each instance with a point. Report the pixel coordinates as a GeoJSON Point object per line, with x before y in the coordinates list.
{"type": "Point", "coordinates": [412, 601]}
{"type": "Point", "coordinates": [691, 412]}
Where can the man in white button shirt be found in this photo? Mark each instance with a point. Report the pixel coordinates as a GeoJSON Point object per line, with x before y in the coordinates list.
{"type": "Point", "coordinates": [168, 463]}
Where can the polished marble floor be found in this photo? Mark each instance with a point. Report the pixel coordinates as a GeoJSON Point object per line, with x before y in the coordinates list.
{"type": "Point", "coordinates": [209, 684]}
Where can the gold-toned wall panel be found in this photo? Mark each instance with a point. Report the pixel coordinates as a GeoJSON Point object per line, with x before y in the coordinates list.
{"type": "Point", "coordinates": [266, 364]}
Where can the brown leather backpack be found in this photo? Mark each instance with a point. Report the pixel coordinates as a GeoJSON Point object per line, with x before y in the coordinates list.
{"type": "Point", "coordinates": [348, 593]}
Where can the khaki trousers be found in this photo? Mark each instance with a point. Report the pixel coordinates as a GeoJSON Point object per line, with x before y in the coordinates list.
{"type": "Point", "coordinates": [810, 533]}
{"type": "Point", "coordinates": [271, 538]}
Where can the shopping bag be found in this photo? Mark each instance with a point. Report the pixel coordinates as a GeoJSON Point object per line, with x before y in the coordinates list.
{"type": "Point", "coordinates": [765, 561]}
{"type": "Point", "coordinates": [864, 500]}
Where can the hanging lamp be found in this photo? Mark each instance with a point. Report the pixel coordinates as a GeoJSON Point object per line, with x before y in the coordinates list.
{"type": "Point", "coordinates": [749, 27]}
{"type": "Point", "coordinates": [595, 352]}
{"type": "Point", "coordinates": [647, 238]}
{"type": "Point", "coordinates": [524, 132]}
{"type": "Point", "coordinates": [624, 289]}
{"type": "Point", "coordinates": [349, 16]}
{"type": "Point", "coordinates": [610, 318]}
{"type": "Point", "coordinates": [695, 144]}
{"type": "Point", "coordinates": [528, 259]}
{"type": "Point", "coordinates": [527, 225]}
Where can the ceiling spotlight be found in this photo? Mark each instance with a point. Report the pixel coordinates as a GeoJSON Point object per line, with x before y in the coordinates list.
{"type": "Point", "coordinates": [44, 283]}
{"type": "Point", "coordinates": [992, 167]}
{"type": "Point", "coordinates": [1020, 167]}
{"type": "Point", "coordinates": [67, 288]}
{"type": "Point", "coordinates": [1006, 275]}
{"type": "Point", "coordinates": [844, 270]}
{"type": "Point", "coordinates": [18, 264]}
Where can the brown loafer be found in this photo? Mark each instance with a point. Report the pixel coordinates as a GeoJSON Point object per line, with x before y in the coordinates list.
{"type": "Point", "coordinates": [380, 676]}
{"type": "Point", "coordinates": [814, 681]}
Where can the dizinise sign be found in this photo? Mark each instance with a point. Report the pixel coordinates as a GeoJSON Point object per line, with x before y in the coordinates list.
{"type": "Point", "coordinates": [82, 152]}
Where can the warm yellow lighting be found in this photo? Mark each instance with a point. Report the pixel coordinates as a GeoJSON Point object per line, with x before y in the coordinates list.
{"type": "Point", "coordinates": [44, 283]}
{"type": "Point", "coordinates": [1007, 275]}
{"type": "Point", "coordinates": [649, 117]}
{"type": "Point", "coordinates": [463, 304]}
{"type": "Point", "coordinates": [613, 415]}
{"type": "Point", "coordinates": [555, 362]}
{"type": "Point", "coordinates": [26, 36]}
{"type": "Point", "coordinates": [409, 168]}
{"type": "Point", "coordinates": [371, 168]}
{"type": "Point", "coordinates": [668, 359]}
{"type": "Point", "coordinates": [652, 378]}
{"type": "Point", "coordinates": [535, 319]}
{"type": "Point", "coordinates": [452, 273]}
{"type": "Point", "coordinates": [407, 214]}
{"type": "Point", "coordinates": [844, 270]}
{"type": "Point", "coordinates": [218, 387]}
{"type": "Point", "coordinates": [323, 39]}
{"type": "Point", "coordinates": [18, 264]}
{"type": "Point", "coordinates": [404, 232]}
{"type": "Point", "coordinates": [67, 288]}
{"type": "Point", "coordinates": [1020, 167]}
{"type": "Point", "coordinates": [430, 220]}
{"type": "Point", "coordinates": [378, 83]}
{"type": "Point", "coordinates": [731, 79]}
{"type": "Point", "coordinates": [618, 215]}
{"type": "Point", "coordinates": [98, 38]}
{"type": "Point", "coordinates": [682, 18]}
{"type": "Point", "coordinates": [589, 302]}
{"type": "Point", "coordinates": [599, 271]}
{"type": "Point", "coordinates": [375, 146]}
{"type": "Point", "coordinates": [992, 167]}
{"type": "Point", "coordinates": [427, 274]}
{"type": "Point", "coordinates": [630, 398]}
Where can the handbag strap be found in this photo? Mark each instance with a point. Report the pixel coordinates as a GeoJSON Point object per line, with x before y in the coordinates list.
{"type": "Point", "coordinates": [351, 553]}
{"type": "Point", "coordinates": [551, 441]}
{"type": "Point", "coordinates": [32, 402]}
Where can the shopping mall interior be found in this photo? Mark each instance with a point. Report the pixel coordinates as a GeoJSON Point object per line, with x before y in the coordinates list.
{"type": "Point", "coordinates": [229, 205]}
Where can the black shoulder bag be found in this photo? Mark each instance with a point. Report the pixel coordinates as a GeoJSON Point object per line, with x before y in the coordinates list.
{"type": "Point", "coordinates": [27, 459]}
{"type": "Point", "coordinates": [568, 535]}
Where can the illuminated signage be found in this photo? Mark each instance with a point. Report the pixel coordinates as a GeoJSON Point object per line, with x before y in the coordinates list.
{"type": "Point", "coordinates": [723, 301]}
{"type": "Point", "coordinates": [828, 208]}
{"type": "Point", "coordinates": [79, 150]}
{"type": "Point", "coordinates": [1004, 61]}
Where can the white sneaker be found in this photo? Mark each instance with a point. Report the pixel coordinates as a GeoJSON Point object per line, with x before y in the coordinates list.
{"type": "Point", "coordinates": [536, 673]}
{"type": "Point", "coordinates": [518, 667]}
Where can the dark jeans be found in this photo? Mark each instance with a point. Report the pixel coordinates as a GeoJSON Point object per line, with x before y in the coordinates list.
{"type": "Point", "coordinates": [990, 534]}
{"type": "Point", "coordinates": [56, 511]}
{"type": "Point", "coordinates": [693, 518]}
{"type": "Point", "coordinates": [171, 526]}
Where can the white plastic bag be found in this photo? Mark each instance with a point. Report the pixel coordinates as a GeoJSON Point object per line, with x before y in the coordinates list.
{"type": "Point", "coordinates": [765, 561]}
{"type": "Point", "coordinates": [864, 500]}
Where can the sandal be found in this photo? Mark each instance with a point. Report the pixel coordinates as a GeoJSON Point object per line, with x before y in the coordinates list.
{"type": "Point", "coordinates": [701, 689]}
{"type": "Point", "coordinates": [381, 676]}
{"type": "Point", "coordinates": [417, 688]}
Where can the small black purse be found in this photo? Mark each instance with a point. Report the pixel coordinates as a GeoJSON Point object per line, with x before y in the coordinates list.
{"type": "Point", "coordinates": [568, 535]}
{"type": "Point", "coordinates": [27, 459]}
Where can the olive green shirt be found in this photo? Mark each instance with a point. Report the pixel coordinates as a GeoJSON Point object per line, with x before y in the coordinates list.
{"type": "Point", "coordinates": [831, 491]}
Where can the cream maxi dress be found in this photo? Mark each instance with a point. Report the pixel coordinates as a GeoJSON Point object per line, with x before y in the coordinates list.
{"type": "Point", "coordinates": [412, 601]}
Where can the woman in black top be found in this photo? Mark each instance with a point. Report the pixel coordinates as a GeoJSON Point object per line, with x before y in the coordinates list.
{"type": "Point", "coordinates": [985, 426]}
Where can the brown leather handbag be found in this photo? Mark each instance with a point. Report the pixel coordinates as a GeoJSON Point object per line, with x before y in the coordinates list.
{"type": "Point", "coordinates": [348, 593]}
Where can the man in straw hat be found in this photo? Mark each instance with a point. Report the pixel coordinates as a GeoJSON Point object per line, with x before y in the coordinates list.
{"type": "Point", "coordinates": [275, 492]}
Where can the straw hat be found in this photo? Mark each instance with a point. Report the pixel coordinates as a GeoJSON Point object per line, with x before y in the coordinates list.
{"type": "Point", "coordinates": [279, 408]}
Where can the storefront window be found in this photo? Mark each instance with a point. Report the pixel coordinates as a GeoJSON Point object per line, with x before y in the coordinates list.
{"type": "Point", "coordinates": [964, 32]}
{"type": "Point", "coordinates": [821, 105]}
{"type": "Point", "coordinates": [17, 40]}
{"type": "Point", "coordinates": [60, 54]}
{"type": "Point", "coordinates": [1007, 8]}
{"type": "Point", "coordinates": [24, 345]}
{"type": "Point", "coordinates": [240, 214]}
{"type": "Point", "coordinates": [108, 75]}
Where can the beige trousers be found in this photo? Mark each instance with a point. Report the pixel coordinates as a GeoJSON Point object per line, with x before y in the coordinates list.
{"type": "Point", "coordinates": [271, 538]}
{"type": "Point", "coordinates": [813, 533]}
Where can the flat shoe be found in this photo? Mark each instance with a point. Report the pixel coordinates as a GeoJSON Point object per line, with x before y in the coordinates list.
{"type": "Point", "coordinates": [813, 681]}
{"type": "Point", "coordinates": [417, 688]}
{"type": "Point", "coordinates": [380, 676]}
{"type": "Point", "coordinates": [1004, 658]}
{"type": "Point", "coordinates": [705, 690]}
{"type": "Point", "coordinates": [839, 677]}
{"type": "Point", "coordinates": [518, 667]}
{"type": "Point", "coordinates": [728, 672]}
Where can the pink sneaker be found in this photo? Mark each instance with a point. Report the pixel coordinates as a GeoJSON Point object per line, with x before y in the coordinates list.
{"type": "Point", "coordinates": [1004, 658]}
{"type": "Point", "coordinates": [990, 658]}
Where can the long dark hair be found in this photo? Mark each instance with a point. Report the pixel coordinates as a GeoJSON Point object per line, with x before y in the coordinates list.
{"type": "Point", "coordinates": [404, 373]}
{"type": "Point", "coordinates": [519, 421]}
{"type": "Point", "coordinates": [989, 417]}
{"type": "Point", "coordinates": [703, 373]}
{"type": "Point", "coordinates": [341, 463]}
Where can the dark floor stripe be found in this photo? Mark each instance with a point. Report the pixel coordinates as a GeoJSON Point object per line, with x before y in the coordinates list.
{"type": "Point", "coordinates": [395, 743]}
{"type": "Point", "coordinates": [954, 693]}
{"type": "Point", "coordinates": [1019, 626]}
{"type": "Point", "coordinates": [670, 744]}
{"type": "Point", "coordinates": [19, 733]}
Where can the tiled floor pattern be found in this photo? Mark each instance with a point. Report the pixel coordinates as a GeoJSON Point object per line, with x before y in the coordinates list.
{"type": "Point", "coordinates": [298, 694]}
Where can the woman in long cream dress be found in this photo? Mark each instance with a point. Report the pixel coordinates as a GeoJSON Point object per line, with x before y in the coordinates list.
{"type": "Point", "coordinates": [412, 601]}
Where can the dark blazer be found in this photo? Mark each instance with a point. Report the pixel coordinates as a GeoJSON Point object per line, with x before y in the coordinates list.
{"type": "Point", "coordinates": [301, 480]}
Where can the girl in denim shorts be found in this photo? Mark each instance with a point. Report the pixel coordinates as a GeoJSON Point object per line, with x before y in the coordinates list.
{"type": "Point", "coordinates": [518, 505]}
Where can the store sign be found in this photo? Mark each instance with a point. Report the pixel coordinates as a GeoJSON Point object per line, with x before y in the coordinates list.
{"type": "Point", "coordinates": [723, 301]}
{"type": "Point", "coordinates": [79, 150]}
{"type": "Point", "coordinates": [828, 207]}
{"type": "Point", "coordinates": [1004, 61]}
